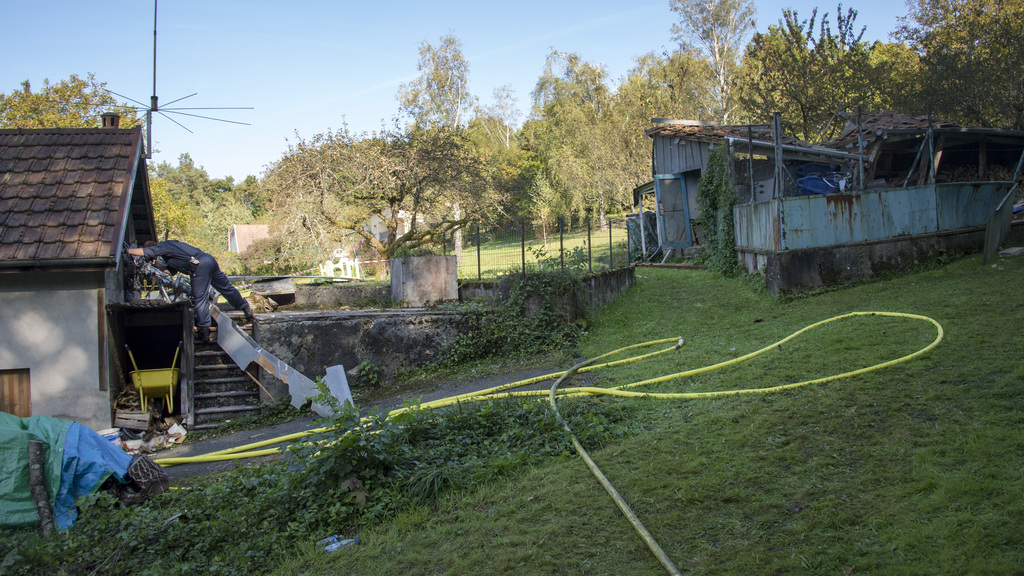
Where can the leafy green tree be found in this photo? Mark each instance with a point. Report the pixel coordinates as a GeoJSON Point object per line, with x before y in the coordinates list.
{"type": "Point", "coordinates": [576, 135]}
{"type": "Point", "coordinates": [898, 78]}
{"type": "Point", "coordinates": [972, 52]}
{"type": "Point", "coordinates": [440, 98]}
{"type": "Point", "coordinates": [72, 103]}
{"type": "Point", "coordinates": [440, 95]}
{"type": "Point", "coordinates": [666, 86]}
{"type": "Point", "coordinates": [716, 30]}
{"type": "Point", "coordinates": [498, 122]}
{"type": "Point", "coordinates": [174, 216]}
{"type": "Point", "coordinates": [335, 184]}
{"type": "Point", "coordinates": [200, 210]}
{"type": "Point", "coordinates": [253, 196]}
{"type": "Point", "coordinates": [808, 73]}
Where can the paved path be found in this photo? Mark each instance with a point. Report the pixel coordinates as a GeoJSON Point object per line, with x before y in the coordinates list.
{"type": "Point", "coordinates": [425, 393]}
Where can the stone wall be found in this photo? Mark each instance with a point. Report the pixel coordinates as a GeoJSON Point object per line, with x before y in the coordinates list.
{"type": "Point", "coordinates": [392, 340]}
{"type": "Point", "coordinates": [347, 294]}
{"type": "Point", "coordinates": [395, 339]}
{"type": "Point", "coordinates": [422, 280]}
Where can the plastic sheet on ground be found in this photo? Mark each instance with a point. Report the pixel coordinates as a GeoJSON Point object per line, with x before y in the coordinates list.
{"type": "Point", "coordinates": [78, 461]}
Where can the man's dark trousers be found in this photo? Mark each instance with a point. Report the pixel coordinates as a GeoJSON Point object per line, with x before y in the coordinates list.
{"type": "Point", "coordinates": [208, 273]}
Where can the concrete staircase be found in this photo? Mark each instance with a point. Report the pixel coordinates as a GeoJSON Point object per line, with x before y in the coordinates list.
{"type": "Point", "coordinates": [222, 390]}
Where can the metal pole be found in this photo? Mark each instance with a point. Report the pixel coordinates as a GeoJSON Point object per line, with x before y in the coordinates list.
{"type": "Point", "coordinates": [611, 248]}
{"type": "Point", "coordinates": [522, 240]}
{"type": "Point", "coordinates": [779, 186]}
{"type": "Point", "coordinates": [590, 255]}
{"type": "Point", "coordinates": [750, 160]}
{"type": "Point", "coordinates": [860, 149]}
{"type": "Point", "coordinates": [479, 270]}
{"type": "Point", "coordinates": [561, 241]}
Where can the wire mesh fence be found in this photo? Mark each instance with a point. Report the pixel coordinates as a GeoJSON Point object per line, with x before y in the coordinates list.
{"type": "Point", "coordinates": [485, 253]}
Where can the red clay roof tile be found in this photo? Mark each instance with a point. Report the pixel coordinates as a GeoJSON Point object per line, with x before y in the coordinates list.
{"type": "Point", "coordinates": [61, 190]}
{"type": "Point", "coordinates": [48, 250]}
{"type": "Point", "coordinates": [52, 234]}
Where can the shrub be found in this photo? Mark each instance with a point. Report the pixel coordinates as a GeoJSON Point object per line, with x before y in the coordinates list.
{"type": "Point", "coordinates": [540, 312]}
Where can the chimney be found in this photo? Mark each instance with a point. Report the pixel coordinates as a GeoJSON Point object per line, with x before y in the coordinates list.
{"type": "Point", "coordinates": [111, 120]}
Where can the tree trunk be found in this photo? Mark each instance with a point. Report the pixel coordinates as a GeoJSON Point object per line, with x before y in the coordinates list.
{"type": "Point", "coordinates": [37, 484]}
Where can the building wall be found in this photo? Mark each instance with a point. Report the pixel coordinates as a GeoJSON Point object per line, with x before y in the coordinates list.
{"type": "Point", "coordinates": [673, 156]}
{"type": "Point", "coordinates": [818, 221]}
{"type": "Point", "coordinates": [50, 324]}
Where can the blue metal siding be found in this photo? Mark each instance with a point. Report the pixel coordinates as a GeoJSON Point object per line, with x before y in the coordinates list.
{"type": "Point", "coordinates": [834, 219]}
{"type": "Point", "coordinates": [757, 225]}
{"type": "Point", "coordinates": [969, 204]}
{"type": "Point", "coordinates": [673, 156]}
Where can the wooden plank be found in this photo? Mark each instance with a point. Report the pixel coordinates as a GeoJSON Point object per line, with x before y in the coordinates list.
{"type": "Point", "coordinates": [16, 392]}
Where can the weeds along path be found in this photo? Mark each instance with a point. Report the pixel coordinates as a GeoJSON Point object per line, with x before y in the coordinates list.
{"type": "Point", "coordinates": [627, 390]}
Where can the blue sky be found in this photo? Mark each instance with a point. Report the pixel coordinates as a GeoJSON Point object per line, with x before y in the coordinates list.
{"type": "Point", "coordinates": [308, 66]}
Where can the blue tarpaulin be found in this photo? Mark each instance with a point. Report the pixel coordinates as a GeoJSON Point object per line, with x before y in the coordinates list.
{"type": "Point", "coordinates": [78, 461]}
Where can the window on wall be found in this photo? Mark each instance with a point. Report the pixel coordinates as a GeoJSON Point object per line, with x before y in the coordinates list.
{"type": "Point", "coordinates": [15, 394]}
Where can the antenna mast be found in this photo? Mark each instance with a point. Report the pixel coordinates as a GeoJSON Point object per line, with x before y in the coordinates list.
{"type": "Point", "coordinates": [153, 101]}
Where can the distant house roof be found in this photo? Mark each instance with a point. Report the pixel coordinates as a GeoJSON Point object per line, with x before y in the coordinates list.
{"type": "Point", "coordinates": [243, 235]}
{"type": "Point", "coordinates": [69, 197]}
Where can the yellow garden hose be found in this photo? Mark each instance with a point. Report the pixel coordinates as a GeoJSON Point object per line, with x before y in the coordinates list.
{"type": "Point", "coordinates": [251, 450]}
{"type": "Point", "coordinates": [645, 535]}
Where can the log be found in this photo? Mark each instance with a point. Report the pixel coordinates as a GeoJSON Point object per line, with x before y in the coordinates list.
{"type": "Point", "coordinates": [37, 484]}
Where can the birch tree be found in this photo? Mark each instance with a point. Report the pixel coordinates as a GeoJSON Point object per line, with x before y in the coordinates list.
{"type": "Point", "coordinates": [718, 31]}
{"type": "Point", "coordinates": [440, 98]}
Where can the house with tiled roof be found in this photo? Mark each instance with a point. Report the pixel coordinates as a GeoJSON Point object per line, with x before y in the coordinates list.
{"type": "Point", "coordinates": [890, 191]}
{"type": "Point", "coordinates": [70, 199]}
{"type": "Point", "coordinates": [241, 236]}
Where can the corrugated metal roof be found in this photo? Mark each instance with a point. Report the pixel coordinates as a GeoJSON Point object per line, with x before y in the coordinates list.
{"type": "Point", "coordinates": [64, 192]}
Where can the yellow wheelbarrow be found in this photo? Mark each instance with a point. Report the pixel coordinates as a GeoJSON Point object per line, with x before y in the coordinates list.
{"type": "Point", "coordinates": [156, 383]}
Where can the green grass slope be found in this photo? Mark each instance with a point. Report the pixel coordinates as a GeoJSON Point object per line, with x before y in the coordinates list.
{"type": "Point", "coordinates": [913, 469]}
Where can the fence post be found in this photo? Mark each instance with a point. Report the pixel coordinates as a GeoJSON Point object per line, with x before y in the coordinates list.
{"type": "Point", "coordinates": [590, 253]}
{"type": "Point", "coordinates": [611, 248]}
{"type": "Point", "coordinates": [479, 270]}
{"type": "Point", "coordinates": [522, 242]}
{"type": "Point", "coordinates": [561, 241]}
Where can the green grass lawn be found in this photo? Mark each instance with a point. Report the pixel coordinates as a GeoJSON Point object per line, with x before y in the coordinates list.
{"type": "Point", "coordinates": [917, 468]}
{"type": "Point", "coordinates": [914, 469]}
{"type": "Point", "coordinates": [503, 255]}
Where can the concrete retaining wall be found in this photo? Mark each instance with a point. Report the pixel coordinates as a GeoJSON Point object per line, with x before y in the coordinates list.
{"type": "Point", "coordinates": [339, 295]}
{"type": "Point", "coordinates": [391, 340]}
{"type": "Point", "coordinates": [310, 341]}
{"type": "Point", "coordinates": [422, 280]}
{"type": "Point", "coordinates": [797, 271]}
{"type": "Point", "coordinates": [604, 286]}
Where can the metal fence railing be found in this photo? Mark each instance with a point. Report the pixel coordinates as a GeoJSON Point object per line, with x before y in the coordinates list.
{"type": "Point", "coordinates": [489, 252]}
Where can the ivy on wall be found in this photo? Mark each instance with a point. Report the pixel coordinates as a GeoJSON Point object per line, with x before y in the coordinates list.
{"type": "Point", "coordinates": [716, 198]}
